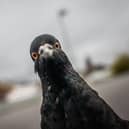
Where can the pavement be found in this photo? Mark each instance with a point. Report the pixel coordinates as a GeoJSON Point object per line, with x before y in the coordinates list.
{"type": "Point", "coordinates": [23, 115]}
{"type": "Point", "coordinates": [27, 116]}
{"type": "Point", "coordinates": [116, 93]}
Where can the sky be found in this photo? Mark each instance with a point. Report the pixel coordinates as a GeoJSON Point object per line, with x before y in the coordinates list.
{"type": "Point", "coordinates": [97, 29]}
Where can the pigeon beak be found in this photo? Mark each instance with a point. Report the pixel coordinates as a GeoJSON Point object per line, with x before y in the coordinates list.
{"type": "Point", "coordinates": [45, 50]}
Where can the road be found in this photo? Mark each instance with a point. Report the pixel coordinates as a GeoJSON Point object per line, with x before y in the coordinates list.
{"type": "Point", "coordinates": [114, 91]}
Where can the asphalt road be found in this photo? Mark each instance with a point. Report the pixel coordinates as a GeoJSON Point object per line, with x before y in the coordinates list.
{"type": "Point", "coordinates": [114, 91]}
{"type": "Point", "coordinates": [28, 118]}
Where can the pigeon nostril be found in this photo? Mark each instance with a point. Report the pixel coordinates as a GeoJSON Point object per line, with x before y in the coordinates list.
{"type": "Point", "coordinates": [49, 47]}
{"type": "Point", "coordinates": [41, 51]}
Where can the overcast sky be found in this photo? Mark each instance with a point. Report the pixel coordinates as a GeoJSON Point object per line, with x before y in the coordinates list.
{"type": "Point", "coordinates": [95, 28]}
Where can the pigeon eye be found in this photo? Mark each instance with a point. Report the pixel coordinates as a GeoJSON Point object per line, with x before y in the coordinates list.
{"type": "Point", "coordinates": [57, 45]}
{"type": "Point", "coordinates": [35, 55]}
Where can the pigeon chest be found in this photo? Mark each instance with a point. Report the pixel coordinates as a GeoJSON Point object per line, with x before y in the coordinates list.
{"type": "Point", "coordinates": [52, 114]}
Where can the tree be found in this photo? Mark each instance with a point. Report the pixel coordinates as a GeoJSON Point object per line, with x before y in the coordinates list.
{"type": "Point", "coordinates": [120, 65]}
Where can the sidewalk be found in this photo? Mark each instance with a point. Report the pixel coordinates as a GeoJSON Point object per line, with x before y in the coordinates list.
{"type": "Point", "coordinates": [6, 108]}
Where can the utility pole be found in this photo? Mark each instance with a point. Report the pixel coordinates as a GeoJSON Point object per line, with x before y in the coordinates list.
{"type": "Point", "coordinates": [62, 13]}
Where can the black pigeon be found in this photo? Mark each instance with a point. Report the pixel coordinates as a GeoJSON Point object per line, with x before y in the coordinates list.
{"type": "Point", "coordinates": [68, 101]}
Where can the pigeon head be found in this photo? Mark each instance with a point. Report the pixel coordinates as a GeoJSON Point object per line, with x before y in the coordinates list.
{"type": "Point", "coordinates": [47, 54]}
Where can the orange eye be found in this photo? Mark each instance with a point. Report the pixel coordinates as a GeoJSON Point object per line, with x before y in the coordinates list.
{"type": "Point", "coordinates": [35, 55]}
{"type": "Point", "coordinates": [57, 45]}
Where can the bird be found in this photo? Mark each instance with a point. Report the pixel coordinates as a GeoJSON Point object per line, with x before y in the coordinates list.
{"type": "Point", "coordinates": [68, 100]}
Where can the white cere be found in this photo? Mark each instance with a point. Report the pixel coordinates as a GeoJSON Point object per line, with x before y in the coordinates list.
{"type": "Point", "coordinates": [46, 50]}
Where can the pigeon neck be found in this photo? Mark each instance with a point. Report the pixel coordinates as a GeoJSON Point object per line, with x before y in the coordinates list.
{"type": "Point", "coordinates": [56, 79]}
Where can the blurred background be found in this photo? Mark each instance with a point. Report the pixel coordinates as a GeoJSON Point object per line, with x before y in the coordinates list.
{"type": "Point", "coordinates": [95, 36]}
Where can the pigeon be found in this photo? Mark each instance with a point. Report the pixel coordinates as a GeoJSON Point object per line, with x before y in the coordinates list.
{"type": "Point", "coordinates": [68, 101]}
